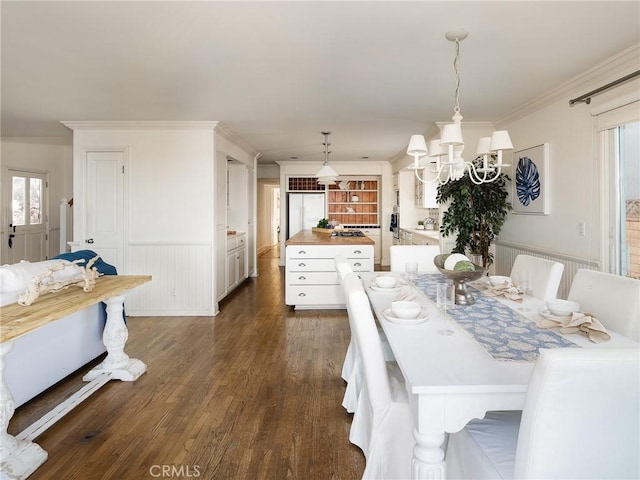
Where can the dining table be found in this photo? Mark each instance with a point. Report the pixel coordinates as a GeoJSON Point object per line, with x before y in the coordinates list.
{"type": "Point", "coordinates": [485, 365]}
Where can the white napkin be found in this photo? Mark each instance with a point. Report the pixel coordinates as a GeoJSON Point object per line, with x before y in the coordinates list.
{"type": "Point", "coordinates": [584, 323]}
{"type": "Point", "coordinates": [507, 290]}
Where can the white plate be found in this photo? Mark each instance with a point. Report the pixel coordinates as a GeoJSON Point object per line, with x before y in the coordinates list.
{"type": "Point", "coordinates": [405, 321]}
{"type": "Point", "coordinates": [547, 314]}
{"type": "Point", "coordinates": [376, 288]}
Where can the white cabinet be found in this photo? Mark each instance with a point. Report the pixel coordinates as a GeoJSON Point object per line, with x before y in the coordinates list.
{"type": "Point", "coordinates": [406, 237]}
{"type": "Point", "coordinates": [425, 193]}
{"type": "Point", "coordinates": [374, 234]}
{"type": "Point", "coordinates": [310, 274]}
{"type": "Point", "coordinates": [236, 261]}
{"type": "Point", "coordinates": [420, 239]}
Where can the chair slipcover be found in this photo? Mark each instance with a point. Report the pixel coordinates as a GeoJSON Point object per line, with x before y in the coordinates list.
{"type": "Point", "coordinates": [351, 370]}
{"type": "Point", "coordinates": [544, 275]}
{"type": "Point", "coordinates": [612, 299]}
{"type": "Point", "coordinates": [342, 268]}
{"type": "Point", "coordinates": [351, 366]}
{"type": "Point", "coordinates": [423, 255]}
{"type": "Point", "coordinates": [382, 424]}
{"type": "Point", "coordinates": [581, 419]}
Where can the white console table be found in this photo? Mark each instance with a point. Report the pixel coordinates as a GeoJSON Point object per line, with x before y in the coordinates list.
{"type": "Point", "coordinates": [19, 455]}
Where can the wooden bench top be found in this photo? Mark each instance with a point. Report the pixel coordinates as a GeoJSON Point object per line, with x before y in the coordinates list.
{"type": "Point", "coordinates": [16, 320]}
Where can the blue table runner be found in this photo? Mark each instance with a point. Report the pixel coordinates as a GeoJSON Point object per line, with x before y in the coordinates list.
{"type": "Point", "coordinates": [503, 332]}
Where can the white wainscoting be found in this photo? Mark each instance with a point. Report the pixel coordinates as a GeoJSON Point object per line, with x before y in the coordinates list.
{"type": "Point", "coordinates": [182, 282]}
{"type": "Point", "coordinates": [506, 254]}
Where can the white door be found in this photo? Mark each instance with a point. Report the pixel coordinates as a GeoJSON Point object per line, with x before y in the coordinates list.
{"type": "Point", "coordinates": [104, 214]}
{"type": "Point", "coordinates": [26, 237]}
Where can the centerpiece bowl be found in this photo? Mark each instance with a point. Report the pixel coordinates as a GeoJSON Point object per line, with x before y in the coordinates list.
{"type": "Point", "coordinates": [460, 279]}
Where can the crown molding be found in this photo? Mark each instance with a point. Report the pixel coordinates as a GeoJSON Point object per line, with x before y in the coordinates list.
{"type": "Point", "coordinates": [134, 124]}
{"type": "Point", "coordinates": [232, 137]}
{"type": "Point", "coordinates": [607, 71]}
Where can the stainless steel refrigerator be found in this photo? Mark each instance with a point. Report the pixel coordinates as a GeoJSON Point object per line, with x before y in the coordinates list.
{"type": "Point", "coordinates": [305, 210]}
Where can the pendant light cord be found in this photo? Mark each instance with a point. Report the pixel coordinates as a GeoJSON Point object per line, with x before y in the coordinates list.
{"type": "Point", "coordinates": [456, 107]}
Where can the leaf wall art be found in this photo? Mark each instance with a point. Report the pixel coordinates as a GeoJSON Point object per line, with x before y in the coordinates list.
{"type": "Point", "coordinates": [530, 182]}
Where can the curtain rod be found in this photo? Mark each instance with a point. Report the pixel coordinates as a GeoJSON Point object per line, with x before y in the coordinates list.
{"type": "Point", "coordinates": [586, 98]}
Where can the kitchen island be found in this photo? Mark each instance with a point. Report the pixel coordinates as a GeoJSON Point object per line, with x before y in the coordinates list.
{"type": "Point", "coordinates": [311, 281]}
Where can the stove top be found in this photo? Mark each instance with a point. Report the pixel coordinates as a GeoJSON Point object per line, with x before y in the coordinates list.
{"type": "Point", "coordinates": [347, 233]}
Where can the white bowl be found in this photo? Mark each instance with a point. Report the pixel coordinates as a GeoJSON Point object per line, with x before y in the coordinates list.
{"type": "Point", "coordinates": [454, 258]}
{"type": "Point", "coordinates": [562, 308]}
{"type": "Point", "coordinates": [386, 281]}
{"type": "Point", "coordinates": [499, 280]}
{"type": "Point", "coordinates": [405, 309]}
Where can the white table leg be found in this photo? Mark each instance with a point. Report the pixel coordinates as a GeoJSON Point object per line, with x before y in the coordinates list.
{"type": "Point", "coordinates": [18, 459]}
{"type": "Point", "coordinates": [115, 337]}
{"type": "Point", "coordinates": [428, 456]}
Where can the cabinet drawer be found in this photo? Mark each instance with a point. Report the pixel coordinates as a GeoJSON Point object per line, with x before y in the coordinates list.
{"type": "Point", "coordinates": [312, 278]}
{"type": "Point", "coordinates": [310, 265]}
{"type": "Point", "coordinates": [327, 265]}
{"type": "Point", "coordinates": [316, 251]}
{"type": "Point", "coordinates": [314, 295]}
{"type": "Point", "coordinates": [361, 264]}
{"type": "Point", "coordinates": [235, 242]}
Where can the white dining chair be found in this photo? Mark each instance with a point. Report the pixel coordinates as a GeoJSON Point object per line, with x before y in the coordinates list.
{"type": "Point", "coordinates": [613, 299]}
{"type": "Point", "coordinates": [351, 369]}
{"type": "Point", "coordinates": [342, 267]}
{"type": "Point", "coordinates": [351, 372]}
{"type": "Point", "coordinates": [382, 425]}
{"type": "Point", "coordinates": [581, 419]}
{"type": "Point", "coordinates": [423, 255]}
{"type": "Point", "coordinates": [544, 275]}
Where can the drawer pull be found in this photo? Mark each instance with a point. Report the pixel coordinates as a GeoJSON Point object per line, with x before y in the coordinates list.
{"type": "Point", "coordinates": [302, 265]}
{"type": "Point", "coordinates": [302, 277]}
{"type": "Point", "coordinates": [302, 294]}
{"type": "Point", "coordinates": [357, 264]}
{"type": "Point", "coordinates": [357, 252]}
{"type": "Point", "coordinates": [302, 252]}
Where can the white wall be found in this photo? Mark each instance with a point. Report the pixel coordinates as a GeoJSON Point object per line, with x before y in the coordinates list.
{"type": "Point", "coordinates": [576, 188]}
{"type": "Point", "coordinates": [169, 212]}
{"type": "Point", "coordinates": [52, 155]}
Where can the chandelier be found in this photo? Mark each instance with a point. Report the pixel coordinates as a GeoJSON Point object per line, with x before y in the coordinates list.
{"type": "Point", "coordinates": [326, 175]}
{"type": "Point", "coordinates": [445, 154]}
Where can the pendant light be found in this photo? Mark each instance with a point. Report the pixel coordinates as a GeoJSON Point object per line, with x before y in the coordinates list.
{"type": "Point", "coordinates": [446, 153]}
{"type": "Point", "coordinates": [326, 175]}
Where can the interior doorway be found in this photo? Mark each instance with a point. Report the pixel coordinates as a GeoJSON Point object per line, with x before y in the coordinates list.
{"type": "Point", "coordinates": [269, 228]}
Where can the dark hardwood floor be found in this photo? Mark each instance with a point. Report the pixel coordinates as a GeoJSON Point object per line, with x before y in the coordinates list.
{"type": "Point", "coordinates": [253, 393]}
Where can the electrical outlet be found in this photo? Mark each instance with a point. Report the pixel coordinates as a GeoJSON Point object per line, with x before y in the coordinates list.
{"type": "Point", "coordinates": [582, 229]}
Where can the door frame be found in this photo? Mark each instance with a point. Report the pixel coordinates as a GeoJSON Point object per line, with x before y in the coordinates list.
{"type": "Point", "coordinates": [608, 118]}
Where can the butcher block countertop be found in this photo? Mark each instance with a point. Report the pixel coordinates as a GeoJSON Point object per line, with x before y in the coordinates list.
{"type": "Point", "coordinates": [307, 237]}
{"type": "Point", "coordinates": [16, 320]}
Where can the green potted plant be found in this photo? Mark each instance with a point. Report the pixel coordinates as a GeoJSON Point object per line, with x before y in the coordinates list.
{"type": "Point", "coordinates": [476, 213]}
{"type": "Point", "coordinates": [420, 224]}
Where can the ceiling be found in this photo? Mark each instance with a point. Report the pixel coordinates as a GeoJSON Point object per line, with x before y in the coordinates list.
{"type": "Point", "coordinates": [279, 73]}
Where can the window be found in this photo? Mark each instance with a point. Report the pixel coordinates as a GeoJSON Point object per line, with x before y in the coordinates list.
{"type": "Point", "coordinates": [620, 149]}
{"type": "Point", "coordinates": [27, 196]}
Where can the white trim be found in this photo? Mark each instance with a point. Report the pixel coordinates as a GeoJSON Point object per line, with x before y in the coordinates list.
{"type": "Point", "coordinates": [119, 125]}
{"type": "Point", "coordinates": [617, 66]}
{"type": "Point", "coordinates": [616, 103]}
